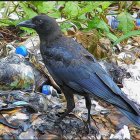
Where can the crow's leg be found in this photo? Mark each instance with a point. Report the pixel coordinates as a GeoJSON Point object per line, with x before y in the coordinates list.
{"type": "Point", "coordinates": [88, 106]}
{"type": "Point", "coordinates": [70, 105]}
{"type": "Point", "coordinates": [88, 123]}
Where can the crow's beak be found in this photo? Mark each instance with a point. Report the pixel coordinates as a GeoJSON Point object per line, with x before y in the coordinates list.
{"type": "Point", "coordinates": [1, 36]}
{"type": "Point", "coordinates": [27, 23]}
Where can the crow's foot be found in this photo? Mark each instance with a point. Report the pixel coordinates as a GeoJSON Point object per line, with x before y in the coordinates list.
{"type": "Point", "coordinates": [91, 129]}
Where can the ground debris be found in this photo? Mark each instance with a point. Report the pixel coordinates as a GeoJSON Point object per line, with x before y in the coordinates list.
{"type": "Point", "coordinates": [122, 134]}
{"type": "Point", "coordinates": [15, 74]}
{"type": "Point", "coordinates": [11, 33]}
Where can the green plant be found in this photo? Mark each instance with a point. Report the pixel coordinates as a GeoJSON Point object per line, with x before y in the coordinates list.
{"type": "Point", "coordinates": [81, 14]}
{"type": "Point", "coordinates": [126, 22]}
{"type": "Point", "coordinates": [123, 37]}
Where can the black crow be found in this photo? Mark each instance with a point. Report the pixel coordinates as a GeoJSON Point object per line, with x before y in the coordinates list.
{"type": "Point", "coordinates": [76, 71]}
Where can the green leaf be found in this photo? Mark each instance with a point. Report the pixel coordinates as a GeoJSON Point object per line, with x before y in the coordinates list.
{"type": "Point", "coordinates": [111, 37]}
{"type": "Point", "coordinates": [37, 3]}
{"type": "Point", "coordinates": [28, 11]}
{"type": "Point", "coordinates": [99, 9]}
{"type": "Point", "coordinates": [82, 17]}
{"type": "Point", "coordinates": [89, 7]}
{"type": "Point", "coordinates": [105, 5]}
{"type": "Point", "coordinates": [55, 14]}
{"type": "Point", "coordinates": [47, 7]}
{"type": "Point", "coordinates": [64, 26]}
{"type": "Point", "coordinates": [138, 3]}
{"type": "Point", "coordinates": [61, 2]}
{"type": "Point", "coordinates": [7, 22]}
{"type": "Point", "coordinates": [28, 30]}
{"type": "Point", "coordinates": [2, 4]}
{"type": "Point", "coordinates": [99, 24]}
{"type": "Point", "coordinates": [71, 9]}
{"type": "Point", "coordinates": [126, 23]}
{"type": "Point", "coordinates": [132, 33]}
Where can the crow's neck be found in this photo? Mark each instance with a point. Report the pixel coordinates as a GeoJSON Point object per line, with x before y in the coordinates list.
{"type": "Point", "coordinates": [51, 36]}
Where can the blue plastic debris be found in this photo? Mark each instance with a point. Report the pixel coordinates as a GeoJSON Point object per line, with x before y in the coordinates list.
{"type": "Point", "coordinates": [22, 51]}
{"type": "Point", "coordinates": [138, 21]}
{"type": "Point", "coordinates": [114, 23]}
{"type": "Point", "coordinates": [46, 89]}
{"type": "Point", "coordinates": [18, 103]}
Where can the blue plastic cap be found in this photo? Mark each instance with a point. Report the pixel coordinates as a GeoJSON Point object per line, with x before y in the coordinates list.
{"type": "Point", "coordinates": [21, 50]}
{"type": "Point", "coordinates": [138, 21]}
{"type": "Point", "coordinates": [46, 89]}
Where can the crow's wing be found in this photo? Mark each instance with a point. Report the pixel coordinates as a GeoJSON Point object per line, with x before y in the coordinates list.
{"type": "Point", "coordinates": [86, 75]}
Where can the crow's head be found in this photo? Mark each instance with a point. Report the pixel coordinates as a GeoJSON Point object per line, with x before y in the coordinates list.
{"type": "Point", "coordinates": [43, 24]}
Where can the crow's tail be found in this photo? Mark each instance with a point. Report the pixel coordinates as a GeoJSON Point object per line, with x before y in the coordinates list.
{"type": "Point", "coordinates": [132, 117]}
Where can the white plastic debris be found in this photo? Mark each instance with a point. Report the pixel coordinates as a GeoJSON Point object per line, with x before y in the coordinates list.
{"type": "Point", "coordinates": [95, 108]}
{"type": "Point", "coordinates": [15, 74]}
{"type": "Point", "coordinates": [134, 15]}
{"type": "Point", "coordinates": [122, 134]}
{"type": "Point", "coordinates": [131, 85]}
{"type": "Point", "coordinates": [10, 49]}
{"type": "Point", "coordinates": [60, 19]}
{"type": "Point", "coordinates": [18, 116]}
{"type": "Point", "coordinates": [32, 44]}
{"type": "Point", "coordinates": [30, 134]}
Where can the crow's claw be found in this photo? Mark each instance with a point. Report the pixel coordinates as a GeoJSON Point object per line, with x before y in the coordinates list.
{"type": "Point", "coordinates": [91, 129]}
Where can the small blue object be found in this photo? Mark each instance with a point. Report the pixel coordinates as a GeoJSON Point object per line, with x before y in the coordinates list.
{"type": "Point", "coordinates": [138, 21]}
{"type": "Point", "coordinates": [18, 103]}
{"type": "Point", "coordinates": [46, 89]}
{"type": "Point", "coordinates": [114, 23]}
{"type": "Point", "coordinates": [21, 50]}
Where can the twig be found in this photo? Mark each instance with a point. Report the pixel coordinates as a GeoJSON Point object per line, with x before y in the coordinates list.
{"type": "Point", "coordinates": [8, 33]}
{"type": "Point", "coordinates": [14, 10]}
{"type": "Point", "coordinates": [6, 9]}
{"type": "Point", "coordinates": [131, 5]}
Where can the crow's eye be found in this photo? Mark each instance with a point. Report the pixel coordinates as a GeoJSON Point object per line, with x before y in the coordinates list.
{"type": "Point", "coordinates": [38, 22]}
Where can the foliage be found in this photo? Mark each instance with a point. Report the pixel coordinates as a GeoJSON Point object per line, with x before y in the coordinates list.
{"type": "Point", "coordinates": [123, 37]}
{"type": "Point", "coordinates": [83, 15]}
{"type": "Point", "coordinates": [99, 24]}
{"type": "Point", "coordinates": [126, 22]}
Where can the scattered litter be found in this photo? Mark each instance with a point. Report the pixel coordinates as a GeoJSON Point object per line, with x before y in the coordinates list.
{"type": "Point", "coordinates": [14, 74]}
{"type": "Point", "coordinates": [30, 134]}
{"type": "Point", "coordinates": [46, 89]}
{"type": "Point", "coordinates": [18, 103]}
{"type": "Point", "coordinates": [138, 22]}
{"type": "Point", "coordinates": [21, 50]}
{"type": "Point", "coordinates": [122, 134]}
{"type": "Point", "coordinates": [10, 49]}
{"type": "Point", "coordinates": [131, 84]}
